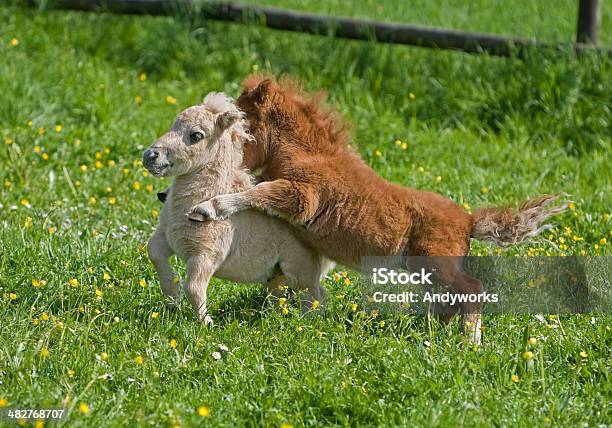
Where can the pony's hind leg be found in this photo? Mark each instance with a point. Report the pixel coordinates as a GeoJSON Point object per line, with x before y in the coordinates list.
{"type": "Point", "coordinates": [303, 272]}
{"type": "Point", "coordinates": [466, 290]}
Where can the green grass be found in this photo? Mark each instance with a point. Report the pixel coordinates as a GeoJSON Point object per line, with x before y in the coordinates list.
{"type": "Point", "coordinates": [551, 20]}
{"type": "Point", "coordinates": [493, 130]}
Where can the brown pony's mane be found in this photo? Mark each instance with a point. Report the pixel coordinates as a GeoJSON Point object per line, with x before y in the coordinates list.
{"type": "Point", "coordinates": [320, 125]}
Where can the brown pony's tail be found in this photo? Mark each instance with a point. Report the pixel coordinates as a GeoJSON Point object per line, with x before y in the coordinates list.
{"type": "Point", "coordinates": [507, 226]}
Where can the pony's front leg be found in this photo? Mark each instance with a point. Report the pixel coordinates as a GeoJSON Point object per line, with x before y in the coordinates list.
{"type": "Point", "coordinates": [159, 253]}
{"type": "Point", "coordinates": [296, 202]}
{"type": "Point", "coordinates": [200, 269]}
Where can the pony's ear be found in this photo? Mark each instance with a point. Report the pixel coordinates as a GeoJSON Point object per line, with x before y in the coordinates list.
{"type": "Point", "coordinates": [225, 121]}
{"type": "Point", "coordinates": [261, 91]}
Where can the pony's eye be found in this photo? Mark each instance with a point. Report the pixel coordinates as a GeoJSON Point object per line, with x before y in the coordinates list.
{"type": "Point", "coordinates": [195, 137]}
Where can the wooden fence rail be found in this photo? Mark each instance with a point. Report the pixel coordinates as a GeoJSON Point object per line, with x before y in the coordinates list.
{"type": "Point", "coordinates": [349, 28]}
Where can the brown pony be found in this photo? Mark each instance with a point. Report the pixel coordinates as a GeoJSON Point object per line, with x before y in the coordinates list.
{"type": "Point", "coordinates": [313, 179]}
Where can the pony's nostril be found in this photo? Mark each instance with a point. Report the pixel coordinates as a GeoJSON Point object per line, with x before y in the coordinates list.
{"type": "Point", "coordinates": [151, 155]}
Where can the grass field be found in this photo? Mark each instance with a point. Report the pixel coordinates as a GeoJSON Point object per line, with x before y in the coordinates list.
{"type": "Point", "coordinates": [82, 325]}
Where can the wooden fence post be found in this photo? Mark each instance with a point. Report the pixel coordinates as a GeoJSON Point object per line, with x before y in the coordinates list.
{"type": "Point", "coordinates": [589, 21]}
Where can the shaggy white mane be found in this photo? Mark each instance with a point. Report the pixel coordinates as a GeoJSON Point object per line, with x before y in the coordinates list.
{"type": "Point", "coordinates": [219, 102]}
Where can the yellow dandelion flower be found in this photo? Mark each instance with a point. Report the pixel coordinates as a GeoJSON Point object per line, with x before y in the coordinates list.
{"type": "Point", "coordinates": [411, 95]}
{"type": "Point", "coordinates": [145, 173]}
{"type": "Point", "coordinates": [137, 185]}
{"type": "Point", "coordinates": [142, 283]}
{"type": "Point", "coordinates": [154, 213]}
{"type": "Point", "coordinates": [203, 411]}
{"type": "Point", "coordinates": [103, 356]}
{"type": "Point", "coordinates": [38, 283]}
{"type": "Point", "coordinates": [71, 373]}
{"type": "Point", "coordinates": [515, 378]}
{"type": "Point", "coordinates": [91, 200]}
{"type": "Point", "coordinates": [299, 328]}
{"type": "Point", "coordinates": [3, 402]}
{"type": "Point", "coordinates": [99, 294]}
{"type": "Point", "coordinates": [13, 296]}
{"type": "Point", "coordinates": [603, 241]}
{"type": "Point", "coordinates": [155, 315]}
{"type": "Point", "coordinates": [7, 184]}
{"type": "Point", "coordinates": [58, 128]}
{"type": "Point", "coordinates": [106, 276]}
{"type": "Point", "coordinates": [41, 131]}
{"type": "Point", "coordinates": [378, 153]}
{"type": "Point", "coordinates": [45, 156]}
{"type": "Point", "coordinates": [466, 205]}
{"type": "Point", "coordinates": [583, 354]}
{"type": "Point", "coordinates": [347, 281]}
{"type": "Point", "coordinates": [139, 360]}
{"type": "Point", "coordinates": [83, 168]}
{"type": "Point", "coordinates": [404, 146]}
{"type": "Point", "coordinates": [172, 343]}
{"type": "Point", "coordinates": [52, 230]}
{"type": "Point", "coordinates": [484, 189]}
{"type": "Point", "coordinates": [571, 206]}
{"type": "Point", "coordinates": [381, 324]}
{"type": "Point", "coordinates": [439, 178]}
{"type": "Point", "coordinates": [84, 408]}
{"type": "Point", "coordinates": [28, 222]}
{"type": "Point", "coordinates": [107, 150]}
{"type": "Point", "coordinates": [528, 355]}
{"type": "Point", "coordinates": [142, 77]}
{"type": "Point", "coordinates": [316, 304]}
{"type": "Point", "coordinates": [149, 188]}
{"type": "Point", "coordinates": [398, 142]}
{"type": "Point", "coordinates": [170, 100]}
{"type": "Point", "coordinates": [98, 155]}
{"type": "Point", "coordinates": [8, 141]}
{"type": "Point", "coordinates": [74, 283]}
{"type": "Point", "coordinates": [286, 425]}
{"type": "Point", "coordinates": [112, 200]}
{"type": "Point", "coordinates": [282, 301]}
{"type": "Point", "coordinates": [284, 311]}
{"type": "Point", "coordinates": [99, 165]}
{"type": "Point", "coordinates": [138, 99]}
{"type": "Point", "coordinates": [111, 163]}
{"type": "Point", "coordinates": [354, 307]}
{"type": "Point", "coordinates": [37, 149]}
{"type": "Point", "coordinates": [13, 42]}
{"type": "Point", "coordinates": [77, 142]}
{"type": "Point", "coordinates": [532, 341]}
{"type": "Point", "coordinates": [44, 316]}
{"type": "Point", "coordinates": [44, 353]}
